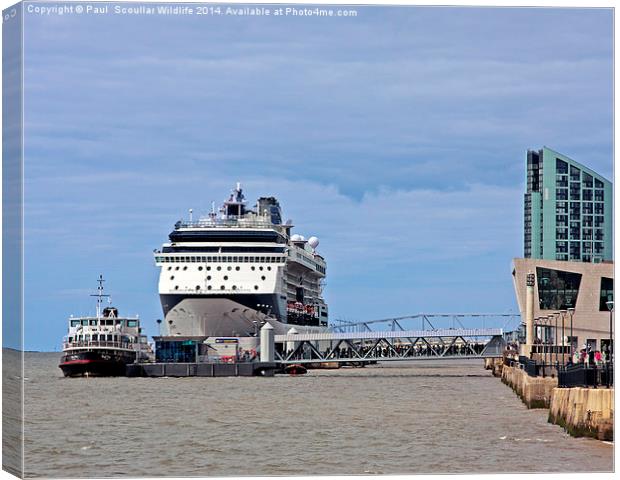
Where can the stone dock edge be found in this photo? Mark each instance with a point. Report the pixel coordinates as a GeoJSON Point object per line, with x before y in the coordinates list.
{"type": "Point", "coordinates": [581, 412]}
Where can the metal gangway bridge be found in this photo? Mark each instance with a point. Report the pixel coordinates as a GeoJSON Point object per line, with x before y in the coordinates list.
{"type": "Point", "coordinates": [357, 343]}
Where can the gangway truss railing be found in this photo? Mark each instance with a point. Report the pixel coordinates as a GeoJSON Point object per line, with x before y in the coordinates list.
{"type": "Point", "coordinates": [382, 346]}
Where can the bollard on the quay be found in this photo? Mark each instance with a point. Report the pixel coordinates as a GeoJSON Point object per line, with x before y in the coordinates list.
{"type": "Point", "coordinates": [267, 343]}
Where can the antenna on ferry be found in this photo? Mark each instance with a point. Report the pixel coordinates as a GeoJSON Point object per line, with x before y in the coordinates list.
{"type": "Point", "coordinates": [191, 210]}
{"type": "Point", "coordinates": [99, 295]}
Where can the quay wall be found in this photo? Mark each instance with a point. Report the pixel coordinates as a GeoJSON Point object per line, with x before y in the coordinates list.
{"type": "Point", "coordinates": [535, 392]}
{"type": "Point", "coordinates": [583, 412]}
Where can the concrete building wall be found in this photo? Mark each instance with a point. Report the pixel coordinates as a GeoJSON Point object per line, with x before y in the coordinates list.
{"type": "Point", "coordinates": [588, 321]}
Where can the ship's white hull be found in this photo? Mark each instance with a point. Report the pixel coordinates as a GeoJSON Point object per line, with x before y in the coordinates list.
{"type": "Point", "coordinates": [221, 317]}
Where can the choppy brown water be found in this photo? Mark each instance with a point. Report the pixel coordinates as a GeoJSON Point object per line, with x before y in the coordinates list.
{"type": "Point", "coordinates": [424, 418]}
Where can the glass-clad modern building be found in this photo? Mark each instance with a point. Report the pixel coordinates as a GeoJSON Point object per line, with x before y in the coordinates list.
{"type": "Point", "coordinates": [568, 210]}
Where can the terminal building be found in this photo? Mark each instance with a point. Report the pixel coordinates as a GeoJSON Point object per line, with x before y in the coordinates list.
{"type": "Point", "coordinates": [568, 250]}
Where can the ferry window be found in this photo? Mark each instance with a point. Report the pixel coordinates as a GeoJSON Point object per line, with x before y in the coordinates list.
{"type": "Point", "coordinates": [222, 287]}
{"type": "Point", "coordinates": [117, 322]}
{"type": "Point", "coordinates": [268, 268]}
{"type": "Point", "coordinates": [253, 267]}
{"type": "Point", "coordinates": [169, 268]}
{"type": "Point", "coordinates": [200, 268]}
{"type": "Point", "coordinates": [219, 268]}
{"type": "Point", "coordinates": [176, 287]}
{"type": "Point", "coordinates": [85, 322]}
{"type": "Point", "coordinates": [109, 338]}
{"type": "Point", "coordinates": [176, 268]}
{"type": "Point", "coordinates": [93, 322]}
{"type": "Point", "coordinates": [197, 287]}
{"type": "Point", "coordinates": [234, 287]}
{"type": "Point", "coordinates": [87, 338]}
{"type": "Point", "coordinates": [229, 268]}
{"type": "Point", "coordinates": [172, 277]}
{"type": "Point", "coordinates": [229, 259]}
{"type": "Point", "coordinates": [75, 323]}
{"type": "Point", "coordinates": [263, 277]}
{"type": "Point", "coordinates": [208, 277]}
{"type": "Point", "coordinates": [193, 259]}
{"type": "Point", "coordinates": [262, 259]}
{"type": "Point", "coordinates": [209, 259]}
{"type": "Point", "coordinates": [245, 259]}
{"type": "Point", "coordinates": [208, 268]}
{"type": "Point", "coordinates": [255, 287]}
{"type": "Point", "coordinates": [235, 259]}
{"type": "Point", "coordinates": [209, 287]}
{"type": "Point", "coordinates": [260, 268]}
{"type": "Point", "coordinates": [185, 268]}
{"type": "Point", "coordinates": [225, 277]}
{"type": "Point", "coordinates": [70, 339]}
{"type": "Point", "coordinates": [252, 261]}
{"type": "Point", "coordinates": [237, 268]}
{"type": "Point", "coordinates": [95, 337]}
{"type": "Point", "coordinates": [132, 323]}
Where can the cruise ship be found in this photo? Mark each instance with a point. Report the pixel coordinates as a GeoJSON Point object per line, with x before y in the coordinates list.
{"type": "Point", "coordinates": [229, 272]}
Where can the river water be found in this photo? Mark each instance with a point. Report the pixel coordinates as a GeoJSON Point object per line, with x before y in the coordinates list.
{"type": "Point", "coordinates": [440, 417]}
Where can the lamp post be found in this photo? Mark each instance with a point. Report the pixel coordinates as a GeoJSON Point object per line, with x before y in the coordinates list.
{"type": "Point", "coordinates": [610, 307]}
{"type": "Point", "coordinates": [563, 314]}
{"type": "Point", "coordinates": [571, 311]}
{"type": "Point", "coordinates": [550, 319]}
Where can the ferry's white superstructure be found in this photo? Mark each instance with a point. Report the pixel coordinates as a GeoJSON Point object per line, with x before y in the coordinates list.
{"type": "Point", "coordinates": [226, 274]}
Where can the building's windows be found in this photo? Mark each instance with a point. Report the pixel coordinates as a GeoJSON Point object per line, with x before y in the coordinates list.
{"type": "Point", "coordinates": [575, 251]}
{"type": "Point", "coordinates": [598, 183]}
{"type": "Point", "coordinates": [561, 220]}
{"type": "Point", "coordinates": [586, 247]}
{"type": "Point", "coordinates": [587, 180]}
{"type": "Point", "coordinates": [586, 258]}
{"type": "Point", "coordinates": [599, 195]}
{"type": "Point", "coordinates": [561, 207]}
{"type": "Point", "coordinates": [599, 221]}
{"type": "Point", "coordinates": [598, 235]}
{"type": "Point", "coordinates": [561, 166]}
{"type": "Point", "coordinates": [575, 174]}
{"type": "Point", "coordinates": [587, 221]}
{"type": "Point", "coordinates": [561, 247]}
{"type": "Point", "coordinates": [574, 233]}
{"type": "Point", "coordinates": [561, 194]}
{"type": "Point", "coordinates": [598, 248]}
{"type": "Point", "coordinates": [587, 208]}
{"type": "Point", "coordinates": [561, 257]}
{"type": "Point", "coordinates": [557, 290]}
{"type": "Point", "coordinates": [599, 208]}
{"type": "Point", "coordinates": [575, 191]}
{"type": "Point", "coordinates": [607, 293]}
{"type": "Point", "coordinates": [561, 181]}
{"type": "Point", "coordinates": [587, 195]}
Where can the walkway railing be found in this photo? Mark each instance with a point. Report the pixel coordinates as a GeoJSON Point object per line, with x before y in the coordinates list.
{"type": "Point", "coordinates": [582, 375]}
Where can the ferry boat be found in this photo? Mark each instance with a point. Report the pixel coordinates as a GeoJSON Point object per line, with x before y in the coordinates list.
{"type": "Point", "coordinates": [102, 345]}
{"type": "Point", "coordinates": [226, 275]}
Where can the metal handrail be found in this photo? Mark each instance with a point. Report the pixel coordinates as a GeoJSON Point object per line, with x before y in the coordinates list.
{"type": "Point", "coordinates": [95, 344]}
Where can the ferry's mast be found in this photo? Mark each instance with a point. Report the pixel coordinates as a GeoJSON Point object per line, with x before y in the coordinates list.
{"type": "Point", "coordinates": [99, 295]}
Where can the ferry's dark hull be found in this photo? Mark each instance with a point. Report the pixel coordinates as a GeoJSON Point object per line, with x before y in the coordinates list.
{"type": "Point", "coordinates": [96, 363]}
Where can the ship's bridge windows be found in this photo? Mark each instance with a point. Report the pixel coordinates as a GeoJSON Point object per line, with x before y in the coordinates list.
{"type": "Point", "coordinates": [75, 323]}
{"type": "Point", "coordinates": [95, 337]}
{"type": "Point", "coordinates": [132, 323]}
{"type": "Point", "coordinates": [93, 323]}
{"type": "Point", "coordinates": [109, 337]}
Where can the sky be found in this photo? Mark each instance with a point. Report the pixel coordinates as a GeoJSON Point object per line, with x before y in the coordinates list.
{"type": "Point", "coordinates": [398, 137]}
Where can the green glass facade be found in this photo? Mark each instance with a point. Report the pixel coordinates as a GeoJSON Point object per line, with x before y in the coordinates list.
{"type": "Point", "coordinates": [567, 210]}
